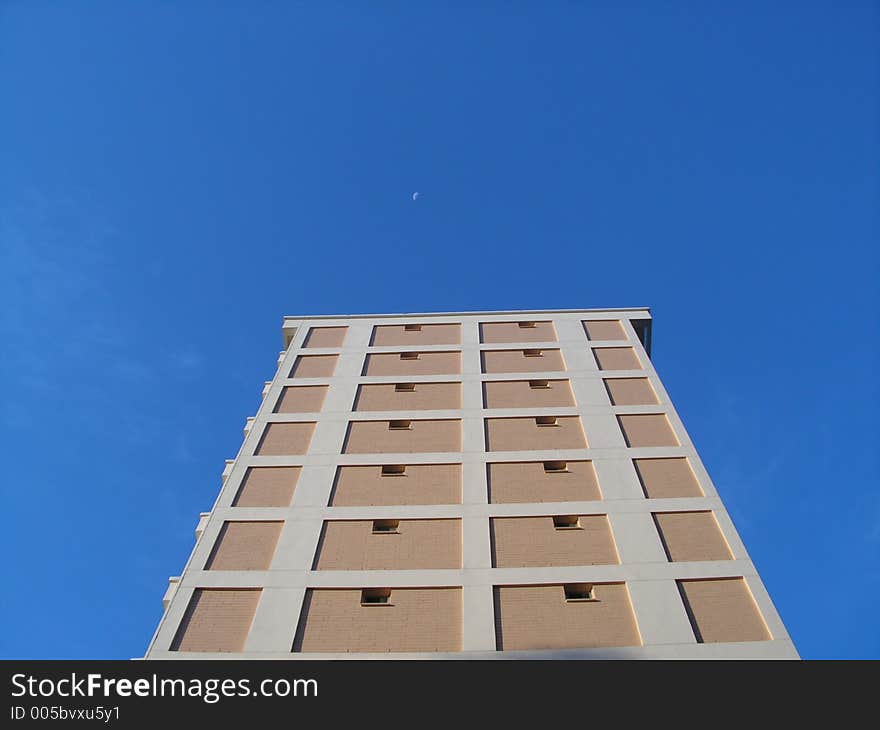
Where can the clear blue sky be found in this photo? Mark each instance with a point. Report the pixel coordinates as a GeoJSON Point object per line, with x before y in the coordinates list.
{"type": "Point", "coordinates": [175, 177]}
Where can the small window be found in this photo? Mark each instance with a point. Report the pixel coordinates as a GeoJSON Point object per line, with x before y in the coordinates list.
{"type": "Point", "coordinates": [578, 592]}
{"type": "Point", "coordinates": [539, 384]}
{"type": "Point", "coordinates": [412, 328]}
{"type": "Point", "coordinates": [404, 387]}
{"type": "Point", "coordinates": [533, 353]}
{"type": "Point", "coordinates": [567, 522]}
{"type": "Point", "coordinates": [400, 425]}
{"type": "Point", "coordinates": [527, 325]}
{"type": "Point", "coordinates": [386, 527]}
{"type": "Point", "coordinates": [546, 421]}
{"type": "Point", "coordinates": [394, 470]}
{"type": "Point", "coordinates": [376, 597]}
{"type": "Point", "coordinates": [409, 356]}
{"type": "Point", "coordinates": [555, 467]}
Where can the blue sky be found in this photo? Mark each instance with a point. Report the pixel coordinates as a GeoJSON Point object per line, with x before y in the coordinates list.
{"type": "Point", "coordinates": [175, 177]}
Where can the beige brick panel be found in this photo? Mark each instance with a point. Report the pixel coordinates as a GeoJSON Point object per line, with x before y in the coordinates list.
{"type": "Point", "coordinates": [301, 399]}
{"type": "Point", "coordinates": [539, 617]}
{"type": "Point", "coordinates": [282, 439]}
{"type": "Point", "coordinates": [217, 620]}
{"type": "Point", "coordinates": [630, 392]}
{"type": "Point", "coordinates": [416, 619]}
{"type": "Point", "coordinates": [326, 337]}
{"type": "Point", "coordinates": [418, 545]}
{"type": "Point", "coordinates": [393, 335]}
{"type": "Point", "coordinates": [244, 546]}
{"type": "Point", "coordinates": [314, 366]}
{"type": "Point", "coordinates": [425, 397]}
{"type": "Point", "coordinates": [617, 358]}
{"type": "Point", "coordinates": [604, 329]}
{"type": "Point", "coordinates": [521, 394]}
{"type": "Point", "coordinates": [523, 482]}
{"type": "Point", "coordinates": [360, 486]}
{"type": "Point", "coordinates": [665, 478]}
{"type": "Point", "coordinates": [267, 486]}
{"type": "Point", "coordinates": [647, 429]}
{"type": "Point", "coordinates": [523, 434]}
{"type": "Point", "coordinates": [493, 332]}
{"type": "Point", "coordinates": [534, 542]}
{"type": "Point", "coordinates": [515, 361]}
{"type": "Point", "coordinates": [722, 609]}
{"type": "Point", "coordinates": [426, 436]}
{"type": "Point", "coordinates": [428, 363]}
{"type": "Point", "coordinates": [691, 536]}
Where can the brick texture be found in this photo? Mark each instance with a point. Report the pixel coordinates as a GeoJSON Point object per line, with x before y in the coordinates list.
{"type": "Point", "coordinates": [244, 546]}
{"type": "Point", "coordinates": [515, 361]}
{"type": "Point", "coordinates": [647, 429]}
{"type": "Point", "coordinates": [282, 439]}
{"type": "Point", "coordinates": [604, 329]}
{"type": "Point", "coordinates": [314, 366]}
{"type": "Point", "coordinates": [520, 394]}
{"type": "Point", "coordinates": [617, 358]}
{"type": "Point", "coordinates": [492, 332]}
{"type": "Point", "coordinates": [523, 434]}
{"type": "Point", "coordinates": [722, 609]}
{"type": "Point", "coordinates": [393, 335]}
{"type": "Point", "coordinates": [428, 363]}
{"type": "Point", "coordinates": [630, 391]}
{"type": "Point", "coordinates": [267, 486]}
{"type": "Point", "coordinates": [417, 619]}
{"type": "Point", "coordinates": [425, 397]}
{"type": "Point", "coordinates": [326, 337]}
{"type": "Point", "coordinates": [691, 536]}
{"type": "Point", "coordinates": [421, 484]}
{"type": "Point", "coordinates": [217, 619]}
{"type": "Point", "coordinates": [665, 478]}
{"type": "Point", "coordinates": [534, 542]}
{"type": "Point", "coordinates": [539, 617]}
{"type": "Point", "coordinates": [426, 436]}
{"type": "Point", "coordinates": [301, 399]}
{"type": "Point", "coordinates": [518, 482]}
{"type": "Point", "coordinates": [418, 545]}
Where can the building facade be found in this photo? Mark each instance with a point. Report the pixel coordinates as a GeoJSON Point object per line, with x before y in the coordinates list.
{"type": "Point", "coordinates": [468, 485]}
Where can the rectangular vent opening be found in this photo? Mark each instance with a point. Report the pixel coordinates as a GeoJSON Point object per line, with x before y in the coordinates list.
{"type": "Point", "coordinates": [567, 522]}
{"type": "Point", "coordinates": [412, 328]}
{"type": "Point", "coordinates": [533, 353]}
{"type": "Point", "coordinates": [386, 527]}
{"type": "Point", "coordinates": [409, 356]}
{"type": "Point", "coordinates": [376, 597]}
{"type": "Point", "coordinates": [546, 421]}
{"type": "Point", "coordinates": [578, 592]}
{"type": "Point", "coordinates": [394, 470]}
{"type": "Point", "coordinates": [539, 384]}
{"type": "Point", "coordinates": [404, 387]}
{"type": "Point", "coordinates": [555, 467]}
{"type": "Point", "coordinates": [400, 425]}
{"type": "Point", "coordinates": [527, 325]}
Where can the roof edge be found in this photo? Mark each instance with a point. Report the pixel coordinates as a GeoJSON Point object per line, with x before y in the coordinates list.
{"type": "Point", "coordinates": [647, 310]}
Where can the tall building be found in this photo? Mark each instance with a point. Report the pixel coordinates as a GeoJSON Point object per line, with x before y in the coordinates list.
{"type": "Point", "coordinates": [468, 485]}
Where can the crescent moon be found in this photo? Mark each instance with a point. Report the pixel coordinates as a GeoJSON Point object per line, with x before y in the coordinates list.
{"type": "Point", "coordinates": [416, 196]}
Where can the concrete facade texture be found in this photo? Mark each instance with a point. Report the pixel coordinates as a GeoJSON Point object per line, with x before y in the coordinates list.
{"type": "Point", "coordinates": [468, 485]}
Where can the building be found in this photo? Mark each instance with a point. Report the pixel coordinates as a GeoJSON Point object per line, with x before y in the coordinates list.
{"type": "Point", "coordinates": [468, 485]}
